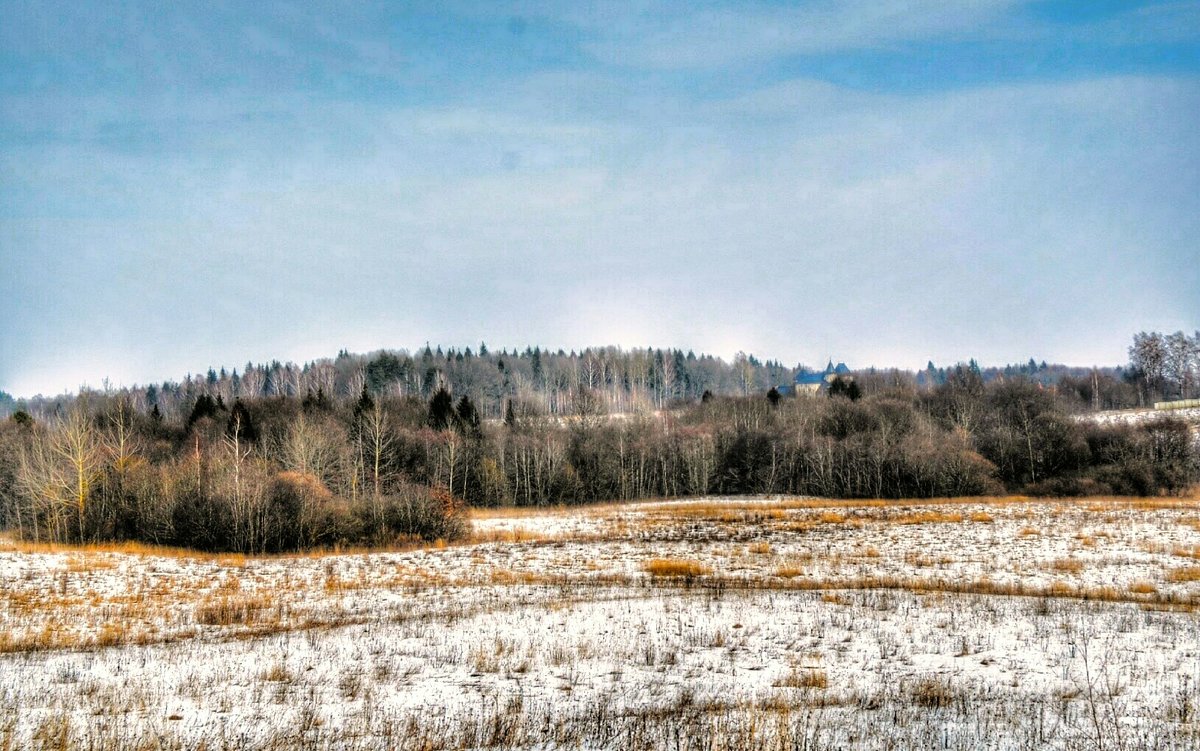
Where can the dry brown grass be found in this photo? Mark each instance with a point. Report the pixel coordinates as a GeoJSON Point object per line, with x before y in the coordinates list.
{"type": "Point", "coordinates": [515, 535]}
{"type": "Point", "coordinates": [675, 568]}
{"type": "Point", "coordinates": [804, 678]}
{"type": "Point", "coordinates": [236, 610]}
{"type": "Point", "coordinates": [1143, 588]}
{"type": "Point", "coordinates": [830, 586]}
{"type": "Point", "coordinates": [932, 692]}
{"type": "Point", "coordinates": [1185, 574]}
{"type": "Point", "coordinates": [928, 517]}
{"type": "Point", "coordinates": [277, 673]}
{"type": "Point", "coordinates": [789, 570]}
{"type": "Point", "coordinates": [506, 576]}
{"type": "Point", "coordinates": [981, 517]}
{"type": "Point", "coordinates": [1066, 565]}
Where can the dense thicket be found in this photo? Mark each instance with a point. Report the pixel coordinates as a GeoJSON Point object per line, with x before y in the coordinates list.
{"type": "Point", "coordinates": [286, 472]}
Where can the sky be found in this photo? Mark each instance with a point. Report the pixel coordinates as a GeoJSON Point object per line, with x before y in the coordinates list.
{"type": "Point", "coordinates": [884, 182]}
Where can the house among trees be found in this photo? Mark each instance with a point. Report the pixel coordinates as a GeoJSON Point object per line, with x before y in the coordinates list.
{"type": "Point", "coordinates": [809, 384]}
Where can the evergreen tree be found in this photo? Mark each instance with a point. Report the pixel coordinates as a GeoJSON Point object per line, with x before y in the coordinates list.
{"type": "Point", "coordinates": [441, 410]}
{"type": "Point", "coordinates": [468, 416]}
{"type": "Point", "coordinates": [845, 387]}
{"type": "Point", "coordinates": [536, 368]}
{"type": "Point", "coordinates": [240, 424]}
{"type": "Point", "coordinates": [364, 405]}
{"type": "Point", "coordinates": [205, 406]}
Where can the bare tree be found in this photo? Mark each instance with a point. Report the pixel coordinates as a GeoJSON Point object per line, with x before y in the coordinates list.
{"type": "Point", "coordinates": [57, 470]}
{"type": "Point", "coordinates": [237, 451]}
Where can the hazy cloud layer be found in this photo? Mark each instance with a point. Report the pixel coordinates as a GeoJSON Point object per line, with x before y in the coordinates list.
{"type": "Point", "coordinates": [183, 187]}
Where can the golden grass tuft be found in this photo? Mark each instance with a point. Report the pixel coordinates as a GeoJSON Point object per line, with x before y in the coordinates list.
{"type": "Point", "coordinates": [1066, 565]}
{"type": "Point", "coordinates": [675, 567]}
{"type": "Point", "coordinates": [789, 571]}
{"type": "Point", "coordinates": [929, 517]}
{"type": "Point", "coordinates": [516, 535]}
{"type": "Point", "coordinates": [277, 673]}
{"type": "Point", "coordinates": [1185, 574]}
{"type": "Point", "coordinates": [1143, 588]}
{"type": "Point", "coordinates": [932, 692]}
{"type": "Point", "coordinates": [234, 610]}
{"type": "Point", "coordinates": [804, 678]}
{"type": "Point", "coordinates": [506, 576]}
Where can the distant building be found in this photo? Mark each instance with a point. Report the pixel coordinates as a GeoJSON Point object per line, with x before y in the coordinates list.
{"type": "Point", "coordinates": [809, 384]}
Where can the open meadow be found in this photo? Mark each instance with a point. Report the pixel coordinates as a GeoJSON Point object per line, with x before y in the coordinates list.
{"type": "Point", "coordinates": [731, 623]}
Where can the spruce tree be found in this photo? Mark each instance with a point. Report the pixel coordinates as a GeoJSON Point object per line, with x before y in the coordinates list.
{"type": "Point", "coordinates": [468, 416]}
{"type": "Point", "coordinates": [441, 410]}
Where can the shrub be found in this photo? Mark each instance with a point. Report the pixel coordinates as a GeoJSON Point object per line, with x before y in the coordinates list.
{"type": "Point", "coordinates": [293, 504]}
{"type": "Point", "coordinates": [202, 522]}
{"type": "Point", "coordinates": [423, 512]}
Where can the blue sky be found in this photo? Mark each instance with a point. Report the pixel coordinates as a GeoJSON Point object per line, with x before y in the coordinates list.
{"type": "Point", "coordinates": [883, 182]}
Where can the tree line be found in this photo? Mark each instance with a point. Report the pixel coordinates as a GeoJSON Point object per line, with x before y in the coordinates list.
{"type": "Point", "coordinates": [282, 472]}
{"type": "Point", "coordinates": [551, 382]}
{"type": "Point", "coordinates": [1165, 366]}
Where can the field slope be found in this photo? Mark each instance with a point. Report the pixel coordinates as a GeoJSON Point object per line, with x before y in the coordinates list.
{"type": "Point", "coordinates": [713, 623]}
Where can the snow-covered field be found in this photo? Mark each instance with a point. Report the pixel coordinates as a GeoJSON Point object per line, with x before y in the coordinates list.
{"type": "Point", "coordinates": [1190, 415]}
{"type": "Point", "coordinates": [716, 623]}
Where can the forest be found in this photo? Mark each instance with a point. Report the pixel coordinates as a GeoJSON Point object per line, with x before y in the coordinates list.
{"type": "Point", "coordinates": [387, 448]}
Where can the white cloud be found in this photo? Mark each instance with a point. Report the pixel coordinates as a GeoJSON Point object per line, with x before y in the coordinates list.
{"type": "Point", "coordinates": [715, 37]}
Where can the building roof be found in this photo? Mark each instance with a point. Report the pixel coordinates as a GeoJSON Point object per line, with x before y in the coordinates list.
{"type": "Point", "coordinates": [811, 379]}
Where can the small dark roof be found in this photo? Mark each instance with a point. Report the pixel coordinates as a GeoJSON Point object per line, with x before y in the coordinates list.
{"type": "Point", "coordinates": [841, 369]}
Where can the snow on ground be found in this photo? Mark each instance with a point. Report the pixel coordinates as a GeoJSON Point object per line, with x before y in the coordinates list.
{"type": "Point", "coordinates": [1190, 415]}
{"type": "Point", "coordinates": [743, 623]}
